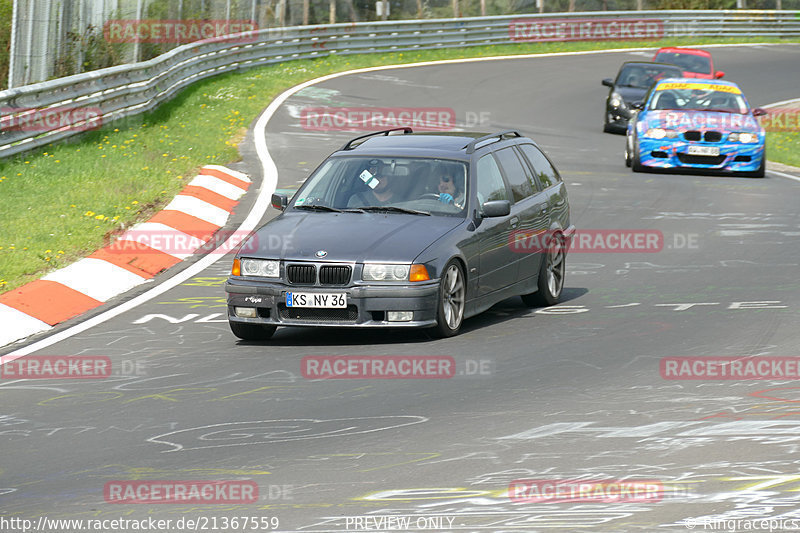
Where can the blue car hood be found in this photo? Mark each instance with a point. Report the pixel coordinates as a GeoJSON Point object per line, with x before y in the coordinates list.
{"type": "Point", "coordinates": [378, 237]}
{"type": "Point", "coordinates": [700, 120]}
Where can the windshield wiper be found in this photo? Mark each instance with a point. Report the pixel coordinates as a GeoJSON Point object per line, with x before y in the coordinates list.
{"type": "Point", "coordinates": [318, 208]}
{"type": "Point", "coordinates": [393, 209]}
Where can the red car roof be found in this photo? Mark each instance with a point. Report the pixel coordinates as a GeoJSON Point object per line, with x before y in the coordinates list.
{"type": "Point", "coordinates": [678, 50]}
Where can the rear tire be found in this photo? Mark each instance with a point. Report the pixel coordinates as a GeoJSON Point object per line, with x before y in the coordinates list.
{"type": "Point", "coordinates": [636, 164]}
{"type": "Point", "coordinates": [252, 332]}
{"type": "Point", "coordinates": [452, 297]}
{"type": "Point", "coordinates": [551, 275]}
{"type": "Point", "coordinates": [627, 154]}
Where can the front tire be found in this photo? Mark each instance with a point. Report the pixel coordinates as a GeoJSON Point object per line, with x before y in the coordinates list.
{"type": "Point", "coordinates": [760, 171]}
{"type": "Point", "coordinates": [452, 297]}
{"type": "Point", "coordinates": [252, 332]}
{"type": "Point", "coordinates": [551, 276]}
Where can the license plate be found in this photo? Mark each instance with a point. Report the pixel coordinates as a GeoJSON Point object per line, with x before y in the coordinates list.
{"type": "Point", "coordinates": [703, 150]}
{"type": "Point", "coordinates": [330, 300]}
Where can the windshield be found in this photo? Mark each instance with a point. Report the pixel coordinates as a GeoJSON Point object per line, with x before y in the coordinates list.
{"type": "Point", "coordinates": [391, 184]}
{"type": "Point", "coordinates": [698, 97]}
{"type": "Point", "coordinates": [688, 62]}
{"type": "Point", "coordinates": [643, 76]}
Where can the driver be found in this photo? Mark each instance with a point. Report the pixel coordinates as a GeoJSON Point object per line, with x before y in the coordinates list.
{"type": "Point", "coordinates": [383, 193]}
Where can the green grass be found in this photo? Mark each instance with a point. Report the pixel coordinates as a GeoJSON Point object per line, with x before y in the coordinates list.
{"type": "Point", "coordinates": [63, 202]}
{"type": "Point", "coordinates": [784, 148]}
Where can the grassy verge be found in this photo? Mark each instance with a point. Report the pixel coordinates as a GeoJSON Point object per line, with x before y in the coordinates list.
{"type": "Point", "coordinates": [62, 202]}
{"type": "Point", "coordinates": [784, 148]}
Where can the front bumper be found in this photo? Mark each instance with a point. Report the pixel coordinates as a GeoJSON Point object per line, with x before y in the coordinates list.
{"type": "Point", "coordinates": [367, 304]}
{"type": "Point", "coordinates": [733, 157]}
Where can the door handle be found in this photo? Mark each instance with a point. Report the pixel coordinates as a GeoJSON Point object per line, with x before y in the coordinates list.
{"type": "Point", "coordinates": [514, 222]}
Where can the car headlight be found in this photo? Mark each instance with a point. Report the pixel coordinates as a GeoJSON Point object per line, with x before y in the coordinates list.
{"type": "Point", "coordinates": [385, 272]}
{"type": "Point", "coordinates": [660, 133]}
{"type": "Point", "coordinates": [743, 137]}
{"type": "Point", "coordinates": [616, 100]}
{"type": "Point", "coordinates": [260, 267]}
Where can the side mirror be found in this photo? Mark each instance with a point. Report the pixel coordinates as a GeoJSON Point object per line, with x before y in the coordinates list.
{"type": "Point", "coordinates": [637, 105]}
{"type": "Point", "coordinates": [280, 201]}
{"type": "Point", "coordinates": [496, 208]}
{"type": "Point", "coordinates": [608, 82]}
{"type": "Point", "coordinates": [758, 112]}
{"type": "Point", "coordinates": [719, 74]}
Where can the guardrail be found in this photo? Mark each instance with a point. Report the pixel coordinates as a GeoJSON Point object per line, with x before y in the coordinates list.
{"type": "Point", "coordinates": [38, 114]}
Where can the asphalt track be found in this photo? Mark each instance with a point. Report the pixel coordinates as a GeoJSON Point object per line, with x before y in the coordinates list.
{"type": "Point", "coordinates": [568, 393]}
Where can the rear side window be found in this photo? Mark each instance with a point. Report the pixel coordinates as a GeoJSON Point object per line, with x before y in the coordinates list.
{"type": "Point", "coordinates": [544, 171]}
{"type": "Point", "coordinates": [490, 181]}
{"type": "Point", "coordinates": [521, 187]}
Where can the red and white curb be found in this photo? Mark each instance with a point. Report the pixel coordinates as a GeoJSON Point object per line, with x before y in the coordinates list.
{"type": "Point", "coordinates": [174, 233]}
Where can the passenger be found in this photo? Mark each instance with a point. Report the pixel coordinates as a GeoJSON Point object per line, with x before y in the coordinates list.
{"type": "Point", "coordinates": [449, 189]}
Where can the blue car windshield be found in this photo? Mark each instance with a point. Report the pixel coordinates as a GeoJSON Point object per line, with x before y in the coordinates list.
{"type": "Point", "coordinates": [394, 184]}
{"type": "Point", "coordinates": [705, 99]}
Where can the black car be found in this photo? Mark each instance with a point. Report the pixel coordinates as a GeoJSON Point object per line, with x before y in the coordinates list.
{"type": "Point", "coordinates": [398, 229]}
{"type": "Point", "coordinates": [633, 81]}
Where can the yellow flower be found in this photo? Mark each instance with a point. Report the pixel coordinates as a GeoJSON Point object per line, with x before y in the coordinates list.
{"type": "Point", "coordinates": [135, 202]}
{"type": "Point", "coordinates": [89, 214]}
{"type": "Point", "coordinates": [99, 217]}
{"type": "Point", "coordinates": [48, 251]}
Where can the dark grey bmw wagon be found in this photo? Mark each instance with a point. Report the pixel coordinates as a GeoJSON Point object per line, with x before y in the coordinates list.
{"type": "Point", "coordinates": [403, 229]}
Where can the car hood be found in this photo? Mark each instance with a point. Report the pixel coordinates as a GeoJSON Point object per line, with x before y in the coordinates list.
{"type": "Point", "coordinates": [700, 120]}
{"type": "Point", "coordinates": [380, 237]}
{"type": "Point", "coordinates": [698, 75]}
{"type": "Point", "coordinates": [630, 94]}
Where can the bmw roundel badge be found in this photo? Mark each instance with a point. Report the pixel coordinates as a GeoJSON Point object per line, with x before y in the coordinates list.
{"type": "Point", "coordinates": [321, 253]}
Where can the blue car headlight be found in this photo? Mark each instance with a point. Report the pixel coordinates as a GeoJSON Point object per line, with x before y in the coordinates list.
{"type": "Point", "coordinates": [743, 137]}
{"type": "Point", "coordinates": [660, 133]}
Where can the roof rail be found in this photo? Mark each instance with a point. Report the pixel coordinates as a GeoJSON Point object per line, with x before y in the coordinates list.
{"type": "Point", "coordinates": [499, 136]}
{"type": "Point", "coordinates": [349, 145]}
